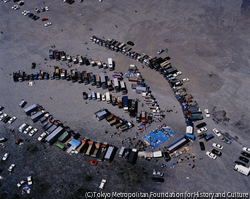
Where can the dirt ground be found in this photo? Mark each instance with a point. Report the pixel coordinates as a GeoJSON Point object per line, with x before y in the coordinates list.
{"type": "Point", "coordinates": [207, 40]}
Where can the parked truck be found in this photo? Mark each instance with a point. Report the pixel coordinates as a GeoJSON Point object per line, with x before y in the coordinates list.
{"type": "Point", "coordinates": [54, 135]}
{"type": "Point", "coordinates": [125, 103]}
{"type": "Point", "coordinates": [119, 102]}
{"type": "Point", "coordinates": [109, 154]}
{"type": "Point", "coordinates": [132, 156]}
{"type": "Point", "coordinates": [110, 64]}
{"type": "Point", "coordinates": [102, 152]}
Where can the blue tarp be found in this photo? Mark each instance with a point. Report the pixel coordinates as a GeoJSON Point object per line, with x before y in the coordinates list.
{"type": "Point", "coordinates": [158, 136]}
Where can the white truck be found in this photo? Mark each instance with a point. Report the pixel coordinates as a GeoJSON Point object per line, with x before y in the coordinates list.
{"type": "Point", "coordinates": [242, 169]}
{"type": "Point", "coordinates": [110, 64]}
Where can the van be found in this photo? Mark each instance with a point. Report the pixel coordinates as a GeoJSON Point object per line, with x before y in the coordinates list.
{"type": "Point", "coordinates": [104, 97]}
{"type": "Point", "coordinates": [108, 97]}
{"type": "Point", "coordinates": [98, 96]}
{"type": "Point", "coordinates": [93, 95]}
{"type": "Point", "coordinates": [122, 151]}
{"type": "Point", "coordinates": [22, 104]}
{"type": "Point", "coordinates": [209, 137]}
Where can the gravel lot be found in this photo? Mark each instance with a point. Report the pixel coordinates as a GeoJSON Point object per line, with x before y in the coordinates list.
{"type": "Point", "coordinates": [207, 40]}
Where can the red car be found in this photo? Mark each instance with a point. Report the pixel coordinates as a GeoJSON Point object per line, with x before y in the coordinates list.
{"type": "Point", "coordinates": [44, 19]}
{"type": "Point", "coordinates": [93, 162]}
{"type": "Point", "coordinates": [18, 141]}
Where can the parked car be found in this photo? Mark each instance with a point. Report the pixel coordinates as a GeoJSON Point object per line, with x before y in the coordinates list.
{"type": "Point", "coordinates": [93, 162]}
{"type": "Point", "coordinates": [130, 43]}
{"type": "Point", "coordinates": [47, 8]}
{"type": "Point", "coordinates": [158, 173]}
{"type": "Point", "coordinates": [12, 120]}
{"type": "Point", "coordinates": [18, 141]}
{"type": "Point", "coordinates": [207, 113]}
{"type": "Point", "coordinates": [160, 51]}
{"type": "Point", "coordinates": [20, 183]}
{"type": "Point", "coordinates": [103, 182]}
{"type": "Point", "coordinates": [29, 180]}
{"type": "Point", "coordinates": [166, 156]}
{"type": "Point", "coordinates": [218, 146]}
{"type": "Point", "coordinates": [202, 146]}
{"type": "Point", "coordinates": [48, 24]}
{"type": "Point", "coordinates": [246, 149]}
{"type": "Point", "coordinates": [27, 130]}
{"type": "Point", "coordinates": [32, 132]}
{"type": "Point", "coordinates": [42, 136]}
{"type": "Point", "coordinates": [244, 159]}
{"type": "Point", "coordinates": [226, 140]}
{"type": "Point", "coordinates": [245, 154]}
{"type": "Point", "coordinates": [211, 155]}
{"type": "Point", "coordinates": [85, 95]}
{"type": "Point", "coordinates": [12, 166]}
{"type": "Point", "coordinates": [202, 135]}
{"type": "Point", "coordinates": [203, 129]}
{"type": "Point", "coordinates": [44, 19]}
{"type": "Point", "coordinates": [216, 132]}
{"type": "Point", "coordinates": [5, 156]}
{"type": "Point", "coordinates": [157, 179]}
{"type": "Point", "coordinates": [240, 163]}
{"type": "Point", "coordinates": [185, 80]}
{"type": "Point", "coordinates": [216, 152]}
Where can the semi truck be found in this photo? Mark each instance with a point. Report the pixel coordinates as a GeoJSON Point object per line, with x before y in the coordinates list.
{"type": "Point", "coordinates": [123, 88]}
{"type": "Point", "coordinates": [36, 116]}
{"type": "Point", "coordinates": [116, 85]}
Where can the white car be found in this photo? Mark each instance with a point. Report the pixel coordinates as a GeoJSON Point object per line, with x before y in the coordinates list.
{"type": "Point", "coordinates": [29, 180]}
{"type": "Point", "coordinates": [15, 7]}
{"type": "Point", "coordinates": [103, 182]}
{"type": "Point", "coordinates": [204, 129]}
{"type": "Point", "coordinates": [160, 51]}
{"type": "Point", "coordinates": [20, 128]}
{"type": "Point", "coordinates": [158, 173]}
{"type": "Point", "coordinates": [207, 113]}
{"type": "Point", "coordinates": [47, 8]}
{"type": "Point", "coordinates": [218, 146]}
{"type": "Point", "coordinates": [25, 12]}
{"type": "Point", "coordinates": [10, 169]}
{"type": "Point", "coordinates": [42, 136]}
{"type": "Point", "coordinates": [177, 74]}
{"type": "Point", "coordinates": [5, 157]}
{"type": "Point", "coordinates": [103, 97]}
{"type": "Point", "coordinates": [28, 129]}
{"type": "Point", "coordinates": [3, 116]}
{"type": "Point", "coordinates": [246, 149]}
{"type": "Point", "coordinates": [48, 24]}
{"type": "Point", "coordinates": [216, 132]}
{"type": "Point", "coordinates": [32, 132]}
{"type": "Point", "coordinates": [185, 80]}
{"type": "Point", "coordinates": [211, 155]}
{"type": "Point", "coordinates": [20, 183]}
{"type": "Point", "coordinates": [12, 120]}
{"type": "Point", "coordinates": [5, 1]}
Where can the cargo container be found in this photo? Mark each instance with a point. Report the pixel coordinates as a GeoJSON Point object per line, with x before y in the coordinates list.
{"type": "Point", "coordinates": [109, 154]}
{"type": "Point", "coordinates": [125, 103]}
{"type": "Point", "coordinates": [54, 135]}
{"type": "Point", "coordinates": [36, 116]}
{"type": "Point", "coordinates": [31, 109]}
{"type": "Point", "coordinates": [132, 156]}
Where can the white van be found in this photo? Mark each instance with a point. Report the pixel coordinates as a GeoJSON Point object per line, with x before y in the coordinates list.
{"type": "Point", "coordinates": [108, 97]}
{"type": "Point", "coordinates": [103, 97]}
{"type": "Point", "coordinates": [93, 95]}
{"type": "Point", "coordinates": [98, 96]}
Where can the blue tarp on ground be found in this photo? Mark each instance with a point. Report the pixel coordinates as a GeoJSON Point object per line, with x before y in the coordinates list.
{"type": "Point", "coordinates": [158, 136]}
